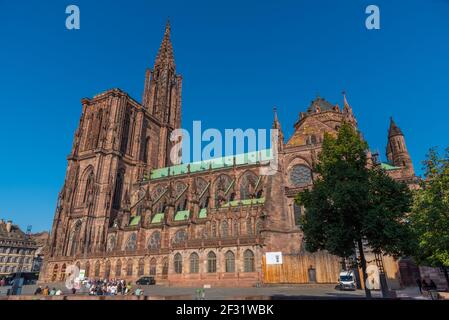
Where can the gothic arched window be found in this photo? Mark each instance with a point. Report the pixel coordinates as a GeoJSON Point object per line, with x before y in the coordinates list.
{"type": "Point", "coordinates": [118, 268]}
{"type": "Point", "coordinates": [224, 229]}
{"type": "Point", "coordinates": [230, 261]}
{"type": "Point", "coordinates": [89, 187]}
{"type": "Point", "coordinates": [146, 150]}
{"type": "Point", "coordinates": [125, 132]}
{"type": "Point", "coordinates": [258, 226]}
{"type": "Point", "coordinates": [55, 273]}
{"type": "Point", "coordinates": [155, 241]}
{"type": "Point", "coordinates": [178, 263]}
{"type": "Point", "coordinates": [180, 236]}
{"type": "Point", "coordinates": [129, 267]}
{"type": "Point", "coordinates": [87, 268]}
{"type": "Point", "coordinates": [141, 267]}
{"type": "Point", "coordinates": [249, 227]}
{"type": "Point", "coordinates": [118, 190]}
{"type": "Point", "coordinates": [248, 185]}
{"type": "Point", "coordinates": [223, 194]}
{"type": "Point", "coordinates": [300, 176]}
{"type": "Point", "coordinates": [211, 262]}
{"type": "Point", "coordinates": [235, 228]}
{"type": "Point", "coordinates": [249, 261]}
{"type": "Point", "coordinates": [112, 241]}
{"type": "Point", "coordinates": [164, 268]}
{"type": "Point", "coordinates": [95, 136]}
{"type": "Point", "coordinates": [297, 212]}
{"type": "Point", "coordinates": [153, 265]}
{"type": "Point", "coordinates": [194, 263]}
{"type": "Point", "coordinates": [97, 269]}
{"type": "Point", "coordinates": [214, 230]}
{"type": "Point", "coordinates": [62, 275]}
{"type": "Point", "coordinates": [107, 269]}
{"type": "Point", "coordinates": [131, 245]}
{"type": "Point", "coordinates": [74, 238]}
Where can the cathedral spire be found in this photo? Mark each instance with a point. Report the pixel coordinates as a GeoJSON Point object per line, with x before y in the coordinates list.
{"type": "Point", "coordinates": [165, 54]}
{"type": "Point", "coordinates": [280, 134]}
{"type": "Point", "coordinates": [276, 123]}
{"type": "Point", "coordinates": [345, 102]}
{"type": "Point", "coordinates": [397, 153]}
{"type": "Point", "coordinates": [394, 129]}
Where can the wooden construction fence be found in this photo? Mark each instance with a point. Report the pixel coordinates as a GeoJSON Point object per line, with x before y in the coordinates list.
{"type": "Point", "coordinates": [302, 268]}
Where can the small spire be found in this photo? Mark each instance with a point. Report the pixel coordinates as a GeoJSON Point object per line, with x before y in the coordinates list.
{"type": "Point", "coordinates": [345, 101]}
{"type": "Point", "coordinates": [276, 123]}
{"type": "Point", "coordinates": [394, 129]}
{"type": "Point", "coordinates": [165, 54]}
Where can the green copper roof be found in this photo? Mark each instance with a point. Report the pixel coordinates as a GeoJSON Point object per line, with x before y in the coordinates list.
{"type": "Point", "coordinates": [388, 167]}
{"type": "Point", "coordinates": [246, 202]}
{"type": "Point", "coordinates": [203, 213]}
{"type": "Point", "coordinates": [182, 215]}
{"type": "Point", "coordinates": [213, 164]}
{"type": "Point", "coordinates": [134, 221]}
{"type": "Point", "coordinates": [158, 217]}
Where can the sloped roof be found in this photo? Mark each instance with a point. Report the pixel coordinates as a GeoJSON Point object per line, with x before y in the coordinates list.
{"type": "Point", "coordinates": [322, 103]}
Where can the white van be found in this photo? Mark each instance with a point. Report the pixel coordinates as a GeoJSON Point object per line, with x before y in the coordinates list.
{"type": "Point", "coordinates": [346, 280]}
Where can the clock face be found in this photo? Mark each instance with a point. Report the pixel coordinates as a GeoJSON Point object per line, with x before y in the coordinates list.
{"type": "Point", "coordinates": [300, 176]}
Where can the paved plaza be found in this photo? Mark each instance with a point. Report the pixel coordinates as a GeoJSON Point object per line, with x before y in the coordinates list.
{"type": "Point", "coordinates": [276, 292]}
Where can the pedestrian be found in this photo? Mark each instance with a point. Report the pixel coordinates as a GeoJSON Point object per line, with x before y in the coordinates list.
{"type": "Point", "coordinates": [46, 291]}
{"type": "Point", "coordinates": [119, 287]}
{"type": "Point", "coordinates": [73, 290]}
{"type": "Point", "coordinates": [432, 285]}
{"type": "Point", "coordinates": [58, 292]}
{"type": "Point", "coordinates": [2, 282]}
{"type": "Point", "coordinates": [138, 291]}
{"type": "Point", "coordinates": [38, 291]}
{"type": "Point", "coordinates": [425, 286]}
{"type": "Point", "coordinates": [419, 283]}
{"type": "Point", "coordinates": [53, 292]}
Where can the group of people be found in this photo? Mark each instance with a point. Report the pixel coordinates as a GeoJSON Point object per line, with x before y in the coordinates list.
{"type": "Point", "coordinates": [47, 292]}
{"type": "Point", "coordinates": [96, 288]}
{"type": "Point", "coordinates": [423, 285]}
{"type": "Point", "coordinates": [111, 287]}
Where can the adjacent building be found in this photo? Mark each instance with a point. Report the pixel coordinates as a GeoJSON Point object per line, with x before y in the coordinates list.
{"type": "Point", "coordinates": [17, 249]}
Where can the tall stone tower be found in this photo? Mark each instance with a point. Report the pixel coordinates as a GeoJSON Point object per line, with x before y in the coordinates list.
{"type": "Point", "coordinates": [118, 140]}
{"type": "Point", "coordinates": [162, 96]}
{"type": "Point", "coordinates": [397, 153]}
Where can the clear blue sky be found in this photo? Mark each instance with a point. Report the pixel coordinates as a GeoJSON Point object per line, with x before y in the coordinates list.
{"type": "Point", "coordinates": [238, 60]}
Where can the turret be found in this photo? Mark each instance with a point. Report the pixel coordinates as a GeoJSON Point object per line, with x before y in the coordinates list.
{"type": "Point", "coordinates": [397, 153]}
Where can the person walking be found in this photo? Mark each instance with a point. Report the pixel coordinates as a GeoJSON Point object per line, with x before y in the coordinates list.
{"type": "Point", "coordinates": [38, 291]}
{"type": "Point", "coordinates": [432, 285]}
{"type": "Point", "coordinates": [419, 283]}
{"type": "Point", "coordinates": [46, 291]}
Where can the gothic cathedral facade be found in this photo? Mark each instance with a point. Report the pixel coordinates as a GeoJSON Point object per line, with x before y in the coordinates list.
{"type": "Point", "coordinates": [125, 211]}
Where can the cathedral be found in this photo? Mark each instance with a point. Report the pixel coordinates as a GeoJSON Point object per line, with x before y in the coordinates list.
{"type": "Point", "coordinates": [126, 211]}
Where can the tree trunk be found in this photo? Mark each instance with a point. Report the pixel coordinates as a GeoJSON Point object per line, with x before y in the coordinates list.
{"type": "Point", "coordinates": [363, 264]}
{"type": "Point", "coordinates": [446, 276]}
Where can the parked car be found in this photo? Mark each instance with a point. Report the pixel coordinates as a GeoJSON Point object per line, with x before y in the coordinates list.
{"type": "Point", "coordinates": [145, 281]}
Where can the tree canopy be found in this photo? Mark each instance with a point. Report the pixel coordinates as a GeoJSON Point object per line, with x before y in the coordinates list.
{"type": "Point", "coordinates": [430, 213]}
{"type": "Point", "coordinates": [354, 204]}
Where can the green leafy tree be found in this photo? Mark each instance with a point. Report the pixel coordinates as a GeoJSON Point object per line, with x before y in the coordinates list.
{"type": "Point", "coordinates": [351, 205]}
{"type": "Point", "coordinates": [430, 213]}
